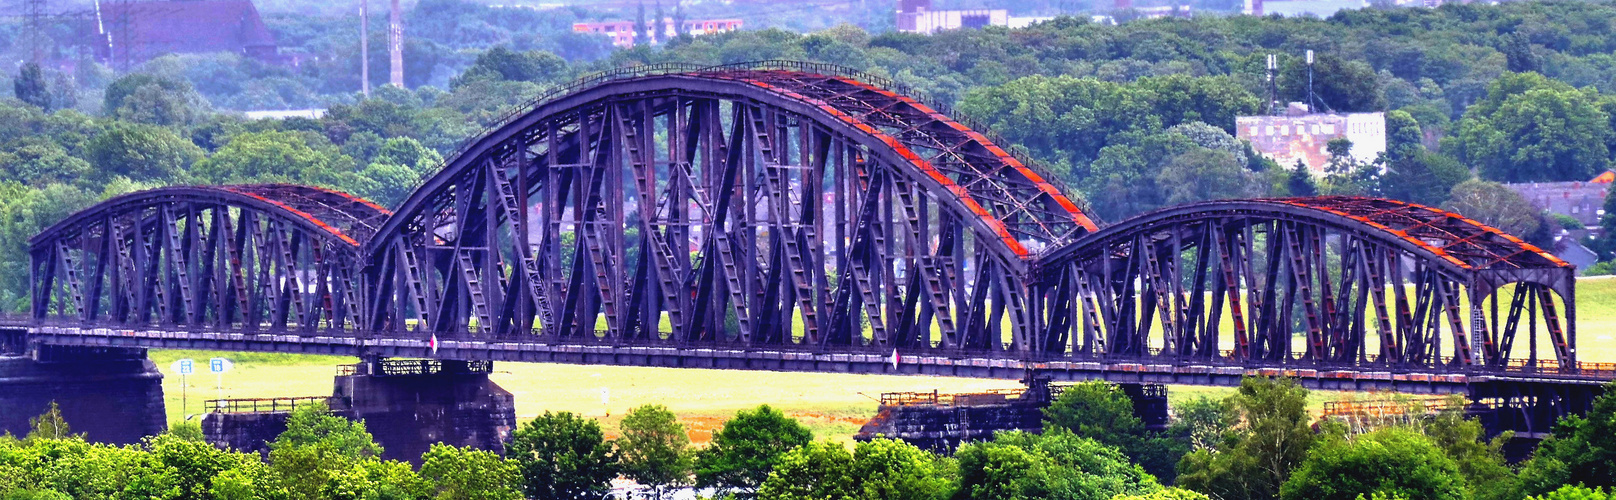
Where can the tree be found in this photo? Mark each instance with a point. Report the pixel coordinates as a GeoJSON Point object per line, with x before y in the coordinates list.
{"type": "Point", "coordinates": [1481, 462]}
{"type": "Point", "coordinates": [1203, 422]}
{"type": "Point", "coordinates": [642, 31]}
{"type": "Point", "coordinates": [140, 153]}
{"type": "Point", "coordinates": [1300, 181]}
{"type": "Point", "coordinates": [43, 164]}
{"type": "Point", "coordinates": [659, 31]}
{"type": "Point", "coordinates": [318, 448]}
{"type": "Point", "coordinates": [275, 156]}
{"type": "Point", "coordinates": [1202, 174]}
{"type": "Point", "coordinates": [1530, 128]}
{"type": "Point", "coordinates": [1341, 160]}
{"type": "Point", "coordinates": [562, 457]}
{"type": "Point", "coordinates": [470, 474]}
{"type": "Point", "coordinates": [1341, 84]}
{"type": "Point", "coordinates": [1518, 53]}
{"type": "Point", "coordinates": [49, 425]}
{"type": "Point", "coordinates": [186, 431]}
{"type": "Point", "coordinates": [1404, 137]}
{"type": "Point", "coordinates": [1056, 465]}
{"type": "Point", "coordinates": [654, 448]}
{"type": "Point", "coordinates": [817, 470]}
{"type": "Point", "coordinates": [881, 469]}
{"type": "Point", "coordinates": [189, 465]}
{"type": "Point", "coordinates": [1165, 494]}
{"type": "Point", "coordinates": [748, 447]}
{"type": "Point", "coordinates": [1101, 411]}
{"type": "Point", "coordinates": [1574, 492]}
{"type": "Point", "coordinates": [153, 99]}
{"type": "Point", "coordinates": [410, 153]}
{"type": "Point", "coordinates": [1271, 438]}
{"type": "Point", "coordinates": [501, 63]}
{"type": "Point", "coordinates": [1422, 177]}
{"type": "Point", "coordinates": [1495, 205]}
{"type": "Point", "coordinates": [1096, 410]}
{"type": "Point", "coordinates": [30, 86]}
{"type": "Point", "coordinates": [1581, 450]}
{"type": "Point", "coordinates": [1393, 461]}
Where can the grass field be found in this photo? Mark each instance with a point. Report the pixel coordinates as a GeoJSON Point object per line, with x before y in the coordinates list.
{"type": "Point", "coordinates": [833, 405]}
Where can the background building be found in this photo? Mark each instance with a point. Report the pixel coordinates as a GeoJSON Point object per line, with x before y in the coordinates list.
{"type": "Point", "coordinates": [1301, 135]}
{"type": "Point", "coordinates": [1583, 201]}
{"type": "Point", "coordinates": [130, 33]}
{"type": "Point", "coordinates": [917, 16]}
{"type": "Point", "coordinates": [622, 32]}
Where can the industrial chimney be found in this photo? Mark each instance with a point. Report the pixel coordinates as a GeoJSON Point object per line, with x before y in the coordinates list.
{"type": "Point", "coordinates": [395, 45]}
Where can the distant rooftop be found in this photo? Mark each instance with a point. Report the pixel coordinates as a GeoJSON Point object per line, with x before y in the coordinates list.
{"type": "Point", "coordinates": [134, 32]}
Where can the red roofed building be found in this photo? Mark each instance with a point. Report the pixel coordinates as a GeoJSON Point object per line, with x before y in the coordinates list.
{"type": "Point", "coordinates": [133, 32]}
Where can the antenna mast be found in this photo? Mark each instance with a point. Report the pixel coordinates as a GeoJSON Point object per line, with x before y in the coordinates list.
{"type": "Point", "coordinates": [35, 11]}
{"type": "Point", "coordinates": [1314, 103]}
{"type": "Point", "coordinates": [1273, 86]}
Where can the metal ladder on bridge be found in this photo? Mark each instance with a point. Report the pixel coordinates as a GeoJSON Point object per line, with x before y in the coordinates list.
{"type": "Point", "coordinates": [930, 275]}
{"type": "Point", "coordinates": [178, 265]}
{"type": "Point", "coordinates": [530, 266]}
{"type": "Point", "coordinates": [413, 285]}
{"type": "Point", "coordinates": [660, 250]}
{"type": "Point", "coordinates": [467, 262]}
{"type": "Point", "coordinates": [782, 207]}
{"type": "Point", "coordinates": [70, 273]}
{"type": "Point", "coordinates": [1302, 277]}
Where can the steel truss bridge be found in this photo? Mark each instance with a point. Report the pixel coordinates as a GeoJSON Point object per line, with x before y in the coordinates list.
{"type": "Point", "coordinates": [788, 216]}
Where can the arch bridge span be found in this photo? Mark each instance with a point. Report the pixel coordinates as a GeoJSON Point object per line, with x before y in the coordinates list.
{"type": "Point", "coordinates": [800, 217]}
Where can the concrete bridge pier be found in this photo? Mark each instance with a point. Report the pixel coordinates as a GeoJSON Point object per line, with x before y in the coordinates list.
{"type": "Point", "coordinates": [942, 422]}
{"type": "Point", "coordinates": [407, 405]}
{"type": "Point", "coordinates": [111, 395]}
{"type": "Point", "coordinates": [410, 404]}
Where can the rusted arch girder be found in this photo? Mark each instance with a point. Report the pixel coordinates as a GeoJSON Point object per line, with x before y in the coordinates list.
{"type": "Point", "coordinates": [238, 258]}
{"type": "Point", "coordinates": [1362, 281]}
{"type": "Point", "coordinates": [747, 194]}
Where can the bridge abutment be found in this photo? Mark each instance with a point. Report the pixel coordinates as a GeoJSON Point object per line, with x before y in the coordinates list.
{"type": "Point", "coordinates": [407, 405]}
{"type": "Point", "coordinates": [111, 395]}
{"type": "Point", "coordinates": [942, 422]}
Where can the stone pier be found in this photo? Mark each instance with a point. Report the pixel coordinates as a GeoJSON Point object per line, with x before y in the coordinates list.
{"type": "Point", "coordinates": [941, 422]}
{"type": "Point", "coordinates": [408, 405]}
{"type": "Point", "coordinates": [111, 395]}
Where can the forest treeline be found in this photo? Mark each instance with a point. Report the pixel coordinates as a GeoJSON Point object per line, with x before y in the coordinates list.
{"type": "Point", "coordinates": [1259, 443]}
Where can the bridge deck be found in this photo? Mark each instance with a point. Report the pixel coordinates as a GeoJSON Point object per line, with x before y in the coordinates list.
{"type": "Point", "coordinates": [694, 355]}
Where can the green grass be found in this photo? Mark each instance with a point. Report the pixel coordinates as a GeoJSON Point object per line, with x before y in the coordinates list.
{"type": "Point", "coordinates": [830, 404]}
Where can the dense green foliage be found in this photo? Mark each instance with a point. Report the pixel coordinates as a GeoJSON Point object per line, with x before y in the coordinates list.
{"type": "Point", "coordinates": [1392, 461]}
{"type": "Point", "coordinates": [876, 470]}
{"type": "Point", "coordinates": [1100, 411]}
{"type": "Point", "coordinates": [654, 448]}
{"type": "Point", "coordinates": [562, 457]}
{"type": "Point", "coordinates": [1057, 465]}
{"type": "Point", "coordinates": [1272, 437]}
{"type": "Point", "coordinates": [744, 452]}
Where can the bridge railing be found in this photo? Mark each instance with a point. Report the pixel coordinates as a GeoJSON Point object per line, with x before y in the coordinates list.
{"type": "Point", "coordinates": [261, 405]}
{"type": "Point", "coordinates": [603, 339]}
{"type": "Point", "coordinates": [400, 367]}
